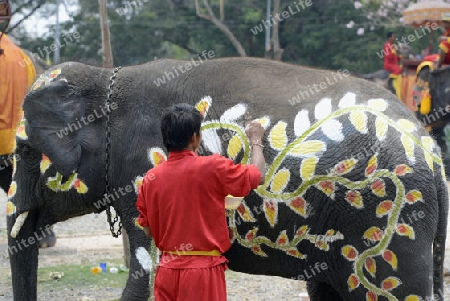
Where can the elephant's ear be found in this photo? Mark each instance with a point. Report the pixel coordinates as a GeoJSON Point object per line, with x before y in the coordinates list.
{"type": "Point", "coordinates": [52, 116]}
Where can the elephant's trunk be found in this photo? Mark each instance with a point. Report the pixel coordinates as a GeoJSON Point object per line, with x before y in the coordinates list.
{"type": "Point", "coordinates": [23, 257]}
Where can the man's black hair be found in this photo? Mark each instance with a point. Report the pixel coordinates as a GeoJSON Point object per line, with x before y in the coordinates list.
{"type": "Point", "coordinates": [178, 124]}
{"type": "Point", "coordinates": [390, 34]}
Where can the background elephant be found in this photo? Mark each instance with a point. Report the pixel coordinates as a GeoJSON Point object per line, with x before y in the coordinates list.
{"type": "Point", "coordinates": [380, 77]}
{"type": "Point", "coordinates": [354, 202]}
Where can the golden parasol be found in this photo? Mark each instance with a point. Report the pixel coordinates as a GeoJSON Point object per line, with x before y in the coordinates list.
{"type": "Point", "coordinates": [420, 14]}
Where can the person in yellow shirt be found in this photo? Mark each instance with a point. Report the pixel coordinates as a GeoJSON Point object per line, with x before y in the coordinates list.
{"type": "Point", "coordinates": [15, 79]}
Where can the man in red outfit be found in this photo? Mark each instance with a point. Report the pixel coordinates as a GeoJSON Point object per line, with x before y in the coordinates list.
{"type": "Point", "coordinates": [182, 206]}
{"type": "Point", "coordinates": [444, 46]}
{"type": "Point", "coordinates": [391, 59]}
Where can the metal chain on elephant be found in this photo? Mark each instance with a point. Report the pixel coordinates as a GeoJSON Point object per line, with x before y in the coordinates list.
{"type": "Point", "coordinates": [107, 154]}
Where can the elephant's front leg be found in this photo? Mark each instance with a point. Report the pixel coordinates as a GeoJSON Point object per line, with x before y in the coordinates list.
{"type": "Point", "coordinates": [137, 287]}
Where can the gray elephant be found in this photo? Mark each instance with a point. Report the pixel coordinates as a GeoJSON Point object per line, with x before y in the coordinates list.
{"type": "Point", "coordinates": [354, 201]}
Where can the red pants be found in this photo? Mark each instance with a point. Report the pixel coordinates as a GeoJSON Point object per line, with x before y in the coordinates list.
{"type": "Point", "coordinates": [193, 284]}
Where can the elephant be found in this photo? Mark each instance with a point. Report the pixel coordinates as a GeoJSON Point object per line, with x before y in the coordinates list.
{"type": "Point", "coordinates": [354, 202]}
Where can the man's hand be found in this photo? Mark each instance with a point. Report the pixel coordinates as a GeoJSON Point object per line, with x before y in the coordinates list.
{"type": "Point", "coordinates": [254, 132]}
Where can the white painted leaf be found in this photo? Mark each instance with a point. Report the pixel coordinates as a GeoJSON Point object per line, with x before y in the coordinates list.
{"type": "Point", "coordinates": [212, 141]}
{"type": "Point", "coordinates": [381, 127]}
{"type": "Point", "coordinates": [233, 113]}
{"type": "Point", "coordinates": [301, 122]}
{"type": "Point", "coordinates": [359, 121]}
{"type": "Point", "coordinates": [323, 108]}
{"type": "Point", "coordinates": [348, 100]}
{"type": "Point", "coordinates": [378, 104]}
{"type": "Point", "coordinates": [333, 130]}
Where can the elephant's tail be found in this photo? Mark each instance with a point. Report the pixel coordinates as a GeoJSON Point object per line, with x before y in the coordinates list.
{"type": "Point", "coordinates": [441, 234]}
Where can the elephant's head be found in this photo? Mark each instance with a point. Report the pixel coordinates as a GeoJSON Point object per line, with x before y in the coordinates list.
{"type": "Point", "coordinates": [51, 140]}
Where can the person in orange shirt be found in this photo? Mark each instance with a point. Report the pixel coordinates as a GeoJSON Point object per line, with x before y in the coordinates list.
{"type": "Point", "coordinates": [182, 207]}
{"type": "Point", "coordinates": [444, 46]}
{"type": "Point", "coordinates": [391, 59]}
{"type": "Point", "coordinates": [15, 79]}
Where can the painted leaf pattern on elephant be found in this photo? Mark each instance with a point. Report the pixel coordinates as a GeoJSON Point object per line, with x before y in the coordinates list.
{"type": "Point", "coordinates": [280, 189]}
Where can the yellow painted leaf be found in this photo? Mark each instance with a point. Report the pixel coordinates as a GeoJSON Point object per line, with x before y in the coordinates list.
{"type": "Point", "coordinates": [405, 230]}
{"type": "Point", "coordinates": [378, 187]}
{"type": "Point", "coordinates": [45, 163]}
{"type": "Point", "coordinates": [413, 298]}
{"type": "Point", "coordinates": [353, 282]}
{"type": "Point", "coordinates": [372, 165]}
{"type": "Point", "coordinates": [12, 189]}
{"type": "Point", "coordinates": [157, 156]}
{"type": "Point", "coordinates": [308, 167]}
{"type": "Point", "coordinates": [80, 186]}
{"type": "Point", "coordinates": [299, 205]}
{"type": "Point", "coordinates": [234, 147]}
{"type": "Point", "coordinates": [302, 231]}
{"type": "Point", "coordinates": [384, 208]}
{"type": "Point", "coordinates": [414, 196]}
{"type": "Point", "coordinates": [390, 258]}
{"type": "Point", "coordinates": [349, 252]}
{"type": "Point", "coordinates": [390, 283]}
{"type": "Point", "coordinates": [21, 132]}
{"type": "Point", "coordinates": [429, 160]}
{"type": "Point", "coordinates": [280, 180]}
{"type": "Point", "coordinates": [277, 137]}
{"type": "Point", "coordinates": [402, 169]}
{"type": "Point", "coordinates": [294, 252]}
{"type": "Point", "coordinates": [257, 250]}
{"type": "Point", "coordinates": [271, 212]}
{"type": "Point", "coordinates": [10, 208]}
{"type": "Point", "coordinates": [406, 125]}
{"type": "Point", "coordinates": [138, 183]}
{"type": "Point", "coordinates": [381, 127]}
{"type": "Point", "coordinates": [136, 223]}
{"type": "Point", "coordinates": [359, 120]}
{"type": "Point", "coordinates": [371, 296]}
{"type": "Point", "coordinates": [251, 234]}
{"type": "Point", "coordinates": [326, 187]}
{"type": "Point", "coordinates": [354, 198]}
{"type": "Point", "coordinates": [408, 145]}
{"type": "Point", "coordinates": [264, 121]}
{"type": "Point", "coordinates": [245, 213]}
{"type": "Point", "coordinates": [308, 148]}
{"type": "Point", "coordinates": [344, 167]}
{"type": "Point", "coordinates": [374, 234]}
{"type": "Point", "coordinates": [203, 105]}
{"type": "Point", "coordinates": [378, 104]}
{"type": "Point", "coordinates": [428, 143]}
{"type": "Point", "coordinates": [282, 238]}
{"type": "Point", "coordinates": [371, 266]}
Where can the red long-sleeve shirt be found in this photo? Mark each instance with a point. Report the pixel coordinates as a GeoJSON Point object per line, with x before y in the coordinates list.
{"type": "Point", "coordinates": [182, 200]}
{"type": "Point", "coordinates": [391, 59]}
{"type": "Point", "coordinates": [445, 46]}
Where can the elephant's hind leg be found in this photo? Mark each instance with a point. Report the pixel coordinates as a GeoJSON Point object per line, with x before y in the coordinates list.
{"type": "Point", "coordinates": [321, 291]}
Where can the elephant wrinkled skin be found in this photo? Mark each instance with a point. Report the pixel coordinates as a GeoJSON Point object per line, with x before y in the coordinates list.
{"type": "Point", "coordinates": [354, 201]}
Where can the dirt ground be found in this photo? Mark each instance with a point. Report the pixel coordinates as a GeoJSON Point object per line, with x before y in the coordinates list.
{"type": "Point", "coordinates": [86, 240]}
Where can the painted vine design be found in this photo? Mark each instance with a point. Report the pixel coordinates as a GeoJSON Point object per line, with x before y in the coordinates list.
{"type": "Point", "coordinates": [276, 180]}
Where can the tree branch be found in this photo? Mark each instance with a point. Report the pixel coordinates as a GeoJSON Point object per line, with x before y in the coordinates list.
{"type": "Point", "coordinates": [277, 51]}
{"type": "Point", "coordinates": [211, 17]}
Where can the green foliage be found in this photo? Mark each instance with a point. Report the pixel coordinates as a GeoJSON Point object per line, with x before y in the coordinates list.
{"type": "Point", "coordinates": [315, 36]}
